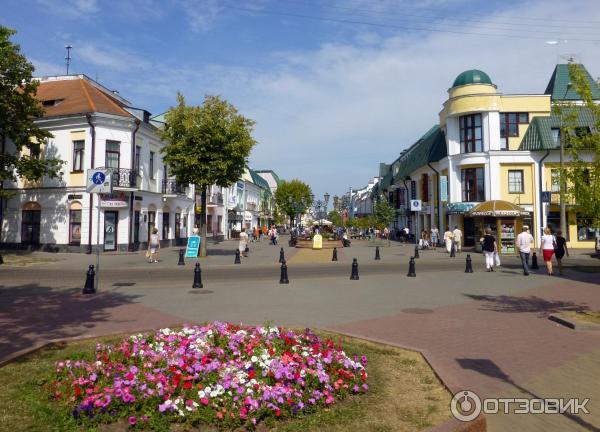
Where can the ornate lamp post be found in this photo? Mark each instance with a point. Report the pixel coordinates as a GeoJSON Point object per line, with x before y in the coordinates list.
{"type": "Point", "coordinates": [321, 207]}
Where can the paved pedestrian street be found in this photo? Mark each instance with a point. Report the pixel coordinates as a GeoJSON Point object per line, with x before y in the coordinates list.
{"type": "Point", "coordinates": [484, 332]}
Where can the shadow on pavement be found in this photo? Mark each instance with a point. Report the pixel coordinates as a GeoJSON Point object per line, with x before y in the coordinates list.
{"type": "Point", "coordinates": [30, 314]}
{"type": "Point", "coordinates": [514, 304]}
{"type": "Point", "coordinates": [490, 369]}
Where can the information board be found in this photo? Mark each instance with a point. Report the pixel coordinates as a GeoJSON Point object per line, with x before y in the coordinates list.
{"type": "Point", "coordinates": [193, 247]}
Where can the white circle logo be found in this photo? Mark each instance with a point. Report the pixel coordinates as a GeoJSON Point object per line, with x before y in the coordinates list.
{"type": "Point", "coordinates": [465, 405]}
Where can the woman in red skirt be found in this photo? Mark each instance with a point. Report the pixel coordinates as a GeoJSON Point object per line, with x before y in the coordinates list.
{"type": "Point", "coordinates": [547, 246]}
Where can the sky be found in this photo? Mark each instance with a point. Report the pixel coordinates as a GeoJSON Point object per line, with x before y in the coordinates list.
{"type": "Point", "coordinates": [335, 86]}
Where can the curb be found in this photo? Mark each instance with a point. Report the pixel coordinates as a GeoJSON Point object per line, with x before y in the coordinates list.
{"type": "Point", "coordinates": [452, 425]}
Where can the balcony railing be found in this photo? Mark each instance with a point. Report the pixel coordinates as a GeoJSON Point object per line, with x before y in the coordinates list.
{"type": "Point", "coordinates": [123, 178]}
{"type": "Point", "coordinates": [171, 187]}
{"type": "Point", "coordinates": [215, 198]}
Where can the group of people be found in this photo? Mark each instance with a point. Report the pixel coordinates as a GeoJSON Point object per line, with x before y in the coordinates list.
{"type": "Point", "coordinates": [452, 239]}
{"type": "Point", "coordinates": [256, 234]}
{"type": "Point", "coordinates": [550, 245]}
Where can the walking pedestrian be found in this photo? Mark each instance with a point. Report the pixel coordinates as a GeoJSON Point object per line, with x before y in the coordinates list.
{"type": "Point", "coordinates": [448, 239]}
{"type": "Point", "coordinates": [153, 246]}
{"type": "Point", "coordinates": [490, 248]}
{"type": "Point", "coordinates": [547, 245]}
{"type": "Point", "coordinates": [524, 242]}
{"type": "Point", "coordinates": [457, 237]}
{"type": "Point", "coordinates": [243, 244]}
{"type": "Point", "coordinates": [560, 250]}
{"type": "Point", "coordinates": [435, 237]}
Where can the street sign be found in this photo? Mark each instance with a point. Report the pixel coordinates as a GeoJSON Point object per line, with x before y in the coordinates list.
{"type": "Point", "coordinates": [546, 196]}
{"type": "Point", "coordinates": [443, 188]}
{"type": "Point", "coordinates": [98, 181]}
{"type": "Point", "coordinates": [415, 205]}
{"type": "Point", "coordinates": [193, 246]}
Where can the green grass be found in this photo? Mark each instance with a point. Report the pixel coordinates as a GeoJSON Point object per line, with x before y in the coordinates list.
{"type": "Point", "coordinates": [404, 394]}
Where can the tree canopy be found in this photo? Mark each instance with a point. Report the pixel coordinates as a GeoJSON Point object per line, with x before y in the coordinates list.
{"type": "Point", "coordinates": [18, 112]}
{"type": "Point", "coordinates": [581, 174]}
{"type": "Point", "coordinates": [207, 144]}
{"type": "Point", "coordinates": [336, 218]}
{"type": "Point", "coordinates": [293, 197]}
{"type": "Point", "coordinates": [383, 214]}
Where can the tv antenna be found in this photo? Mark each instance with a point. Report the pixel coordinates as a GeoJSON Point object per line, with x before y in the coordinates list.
{"type": "Point", "coordinates": [68, 57]}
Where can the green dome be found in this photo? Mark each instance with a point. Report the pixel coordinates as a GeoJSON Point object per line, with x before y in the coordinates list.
{"type": "Point", "coordinates": [472, 76]}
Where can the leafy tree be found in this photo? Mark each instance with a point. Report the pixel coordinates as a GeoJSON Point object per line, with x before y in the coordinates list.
{"type": "Point", "coordinates": [336, 218]}
{"type": "Point", "coordinates": [581, 174]}
{"type": "Point", "coordinates": [207, 144]}
{"type": "Point", "coordinates": [18, 112]}
{"type": "Point", "coordinates": [293, 198]}
{"type": "Point", "coordinates": [383, 214]}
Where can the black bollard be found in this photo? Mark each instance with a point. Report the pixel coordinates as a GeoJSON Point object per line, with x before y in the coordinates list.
{"type": "Point", "coordinates": [181, 260]}
{"type": "Point", "coordinates": [334, 257]}
{"type": "Point", "coordinates": [469, 267]}
{"type": "Point", "coordinates": [197, 277]}
{"type": "Point", "coordinates": [534, 264]}
{"type": "Point", "coordinates": [281, 256]}
{"type": "Point", "coordinates": [1, 259]}
{"type": "Point", "coordinates": [417, 252]}
{"type": "Point", "coordinates": [89, 281]}
{"type": "Point", "coordinates": [452, 252]}
{"type": "Point", "coordinates": [411, 268]}
{"type": "Point", "coordinates": [283, 278]}
{"type": "Point", "coordinates": [237, 257]}
{"type": "Point", "coordinates": [354, 274]}
{"type": "Point", "coordinates": [377, 257]}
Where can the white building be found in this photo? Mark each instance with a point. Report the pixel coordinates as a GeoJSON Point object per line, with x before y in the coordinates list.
{"type": "Point", "coordinates": [94, 127]}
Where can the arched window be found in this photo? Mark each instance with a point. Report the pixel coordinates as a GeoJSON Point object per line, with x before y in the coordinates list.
{"type": "Point", "coordinates": [75, 223]}
{"type": "Point", "coordinates": [30, 223]}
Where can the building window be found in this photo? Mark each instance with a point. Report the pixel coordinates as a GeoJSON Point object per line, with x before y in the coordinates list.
{"type": "Point", "coordinates": [425, 188]}
{"type": "Point", "coordinates": [219, 223]}
{"type": "Point", "coordinates": [113, 154]}
{"type": "Point", "coordinates": [555, 179]}
{"type": "Point", "coordinates": [515, 181]}
{"type": "Point", "coordinates": [470, 133]}
{"type": "Point", "coordinates": [75, 224]}
{"type": "Point", "coordinates": [209, 225]}
{"type": "Point", "coordinates": [165, 226]}
{"type": "Point", "coordinates": [30, 223]}
{"type": "Point", "coordinates": [472, 185]}
{"type": "Point", "coordinates": [555, 135]}
{"type": "Point", "coordinates": [509, 126]}
{"type": "Point", "coordinates": [78, 149]}
{"type": "Point", "coordinates": [586, 230]}
{"type": "Point", "coordinates": [138, 152]}
{"type": "Point", "coordinates": [177, 225]}
{"type": "Point", "coordinates": [151, 164]}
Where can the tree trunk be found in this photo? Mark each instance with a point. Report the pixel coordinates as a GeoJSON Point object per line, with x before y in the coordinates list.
{"type": "Point", "coordinates": [203, 221]}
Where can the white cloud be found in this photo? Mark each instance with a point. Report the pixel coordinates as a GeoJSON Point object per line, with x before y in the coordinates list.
{"type": "Point", "coordinates": [70, 8]}
{"type": "Point", "coordinates": [43, 68]}
{"type": "Point", "coordinates": [109, 58]}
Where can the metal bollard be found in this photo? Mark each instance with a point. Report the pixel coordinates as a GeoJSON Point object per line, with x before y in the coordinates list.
{"type": "Point", "coordinates": [469, 267]}
{"type": "Point", "coordinates": [89, 281]}
{"type": "Point", "coordinates": [197, 277]}
{"type": "Point", "coordinates": [181, 259]}
{"type": "Point", "coordinates": [354, 274]}
{"type": "Point", "coordinates": [417, 252]}
{"type": "Point", "coordinates": [411, 268]}
{"type": "Point", "coordinates": [534, 264]}
{"type": "Point", "coordinates": [334, 257]}
{"type": "Point", "coordinates": [283, 278]}
{"type": "Point", "coordinates": [377, 256]}
{"type": "Point", "coordinates": [1, 259]}
{"type": "Point", "coordinates": [237, 257]}
{"type": "Point", "coordinates": [281, 256]}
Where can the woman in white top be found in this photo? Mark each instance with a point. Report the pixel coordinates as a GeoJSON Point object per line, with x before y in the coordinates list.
{"type": "Point", "coordinates": [153, 246]}
{"type": "Point", "coordinates": [547, 245]}
{"type": "Point", "coordinates": [243, 242]}
{"type": "Point", "coordinates": [448, 239]}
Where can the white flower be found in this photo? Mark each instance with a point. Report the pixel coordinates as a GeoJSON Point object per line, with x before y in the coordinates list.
{"type": "Point", "coordinates": [254, 359]}
{"type": "Point", "coordinates": [201, 394]}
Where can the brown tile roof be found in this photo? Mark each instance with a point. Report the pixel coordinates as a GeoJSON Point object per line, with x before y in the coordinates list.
{"type": "Point", "coordinates": [77, 96]}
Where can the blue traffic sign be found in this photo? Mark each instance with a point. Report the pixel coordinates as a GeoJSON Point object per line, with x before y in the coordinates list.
{"type": "Point", "coordinates": [98, 178]}
{"type": "Point", "coordinates": [193, 246]}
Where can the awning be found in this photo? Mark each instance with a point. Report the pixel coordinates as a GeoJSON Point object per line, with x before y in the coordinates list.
{"type": "Point", "coordinates": [322, 222]}
{"type": "Point", "coordinates": [459, 207]}
{"type": "Point", "coordinates": [497, 208]}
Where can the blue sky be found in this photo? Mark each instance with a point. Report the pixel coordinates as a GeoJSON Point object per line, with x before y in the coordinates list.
{"type": "Point", "coordinates": [335, 86]}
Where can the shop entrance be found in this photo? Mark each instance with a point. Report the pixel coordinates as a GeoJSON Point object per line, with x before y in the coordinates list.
{"type": "Point", "coordinates": [111, 221]}
{"type": "Point", "coordinates": [469, 226]}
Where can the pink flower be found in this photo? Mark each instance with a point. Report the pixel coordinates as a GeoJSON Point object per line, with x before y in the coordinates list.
{"type": "Point", "coordinates": [132, 420]}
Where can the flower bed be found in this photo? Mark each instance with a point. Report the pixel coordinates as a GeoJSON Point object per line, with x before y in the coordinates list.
{"type": "Point", "coordinates": [219, 373]}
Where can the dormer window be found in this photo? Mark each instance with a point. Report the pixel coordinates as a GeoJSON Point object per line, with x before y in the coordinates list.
{"type": "Point", "coordinates": [470, 133]}
{"type": "Point", "coordinates": [51, 102]}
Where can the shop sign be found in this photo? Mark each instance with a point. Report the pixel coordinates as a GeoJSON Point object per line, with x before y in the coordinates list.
{"type": "Point", "coordinates": [426, 209]}
{"type": "Point", "coordinates": [460, 207]}
{"type": "Point", "coordinates": [114, 200]}
{"type": "Point", "coordinates": [444, 188]}
{"type": "Point", "coordinates": [413, 190]}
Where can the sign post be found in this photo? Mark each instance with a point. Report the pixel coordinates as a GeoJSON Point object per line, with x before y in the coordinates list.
{"type": "Point", "coordinates": [98, 181]}
{"type": "Point", "coordinates": [415, 206]}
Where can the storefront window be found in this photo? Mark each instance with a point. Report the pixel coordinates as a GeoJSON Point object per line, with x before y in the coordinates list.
{"type": "Point", "coordinates": [75, 226]}
{"type": "Point", "coordinates": [586, 230]}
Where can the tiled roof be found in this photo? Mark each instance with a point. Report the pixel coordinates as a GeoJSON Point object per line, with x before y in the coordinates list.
{"type": "Point", "coordinates": [77, 96]}
{"type": "Point", "coordinates": [539, 133]}
{"type": "Point", "coordinates": [559, 86]}
{"type": "Point", "coordinates": [258, 180]}
{"type": "Point", "coordinates": [431, 147]}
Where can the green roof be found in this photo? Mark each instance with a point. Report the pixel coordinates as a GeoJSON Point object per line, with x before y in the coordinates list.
{"type": "Point", "coordinates": [473, 76]}
{"type": "Point", "coordinates": [539, 134]}
{"type": "Point", "coordinates": [258, 180]}
{"type": "Point", "coordinates": [431, 147]}
{"type": "Point", "coordinates": [275, 176]}
{"type": "Point", "coordinates": [559, 87]}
